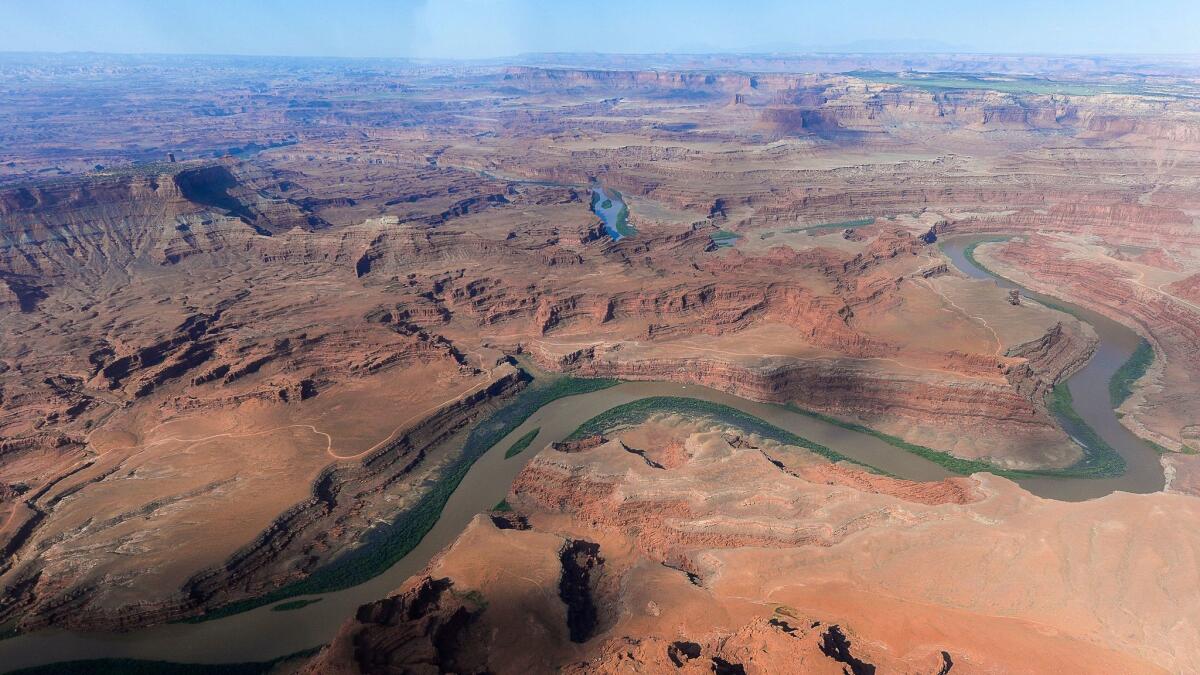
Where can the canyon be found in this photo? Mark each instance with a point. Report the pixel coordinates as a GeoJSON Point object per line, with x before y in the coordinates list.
{"type": "Point", "coordinates": [251, 339]}
{"type": "Point", "coordinates": [733, 549]}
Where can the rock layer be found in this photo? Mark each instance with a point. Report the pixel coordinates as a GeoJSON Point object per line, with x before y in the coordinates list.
{"type": "Point", "coordinates": [243, 303]}
{"type": "Point", "coordinates": [746, 554]}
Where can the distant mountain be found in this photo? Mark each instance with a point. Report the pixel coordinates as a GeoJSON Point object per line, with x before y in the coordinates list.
{"type": "Point", "coordinates": [891, 46]}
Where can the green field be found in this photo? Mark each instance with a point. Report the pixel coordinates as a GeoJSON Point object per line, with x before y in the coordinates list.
{"type": "Point", "coordinates": [522, 443]}
{"type": "Point", "coordinates": [394, 542]}
{"type": "Point", "coordinates": [1183, 450]}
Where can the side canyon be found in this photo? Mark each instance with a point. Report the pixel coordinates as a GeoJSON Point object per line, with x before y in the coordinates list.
{"type": "Point", "coordinates": [250, 343]}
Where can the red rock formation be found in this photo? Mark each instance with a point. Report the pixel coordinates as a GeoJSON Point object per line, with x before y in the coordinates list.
{"type": "Point", "coordinates": [1165, 412]}
{"type": "Point", "coordinates": [178, 337]}
{"type": "Point", "coordinates": [762, 559]}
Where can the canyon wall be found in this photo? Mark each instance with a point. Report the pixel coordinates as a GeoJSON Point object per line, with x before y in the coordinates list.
{"type": "Point", "coordinates": [689, 567]}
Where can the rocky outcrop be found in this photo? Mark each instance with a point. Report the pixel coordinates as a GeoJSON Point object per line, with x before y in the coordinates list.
{"type": "Point", "coordinates": [1008, 415]}
{"type": "Point", "coordinates": [429, 628]}
{"type": "Point", "coordinates": [723, 562]}
{"type": "Point", "coordinates": [580, 445]}
{"type": "Point", "coordinates": [1162, 411]}
{"type": "Point", "coordinates": [581, 562]}
{"type": "Point", "coordinates": [780, 644]}
{"type": "Point", "coordinates": [1049, 360]}
{"type": "Point", "coordinates": [345, 498]}
{"type": "Point", "coordinates": [1156, 224]}
{"type": "Point", "coordinates": [323, 269]}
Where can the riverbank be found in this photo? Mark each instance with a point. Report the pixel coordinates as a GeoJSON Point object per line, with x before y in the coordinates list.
{"type": "Point", "coordinates": [1082, 403]}
{"type": "Point", "coordinates": [1100, 458]}
{"type": "Point", "coordinates": [388, 545]}
{"type": "Point", "coordinates": [963, 466]}
{"type": "Point", "coordinates": [144, 667]}
{"type": "Point", "coordinates": [261, 634]}
{"type": "Point", "coordinates": [610, 206]}
{"type": "Point", "coordinates": [639, 411]}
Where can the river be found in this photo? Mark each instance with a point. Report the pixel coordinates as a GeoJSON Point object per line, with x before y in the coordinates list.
{"type": "Point", "coordinates": [263, 634]}
{"type": "Point", "coordinates": [611, 214]}
{"type": "Point", "coordinates": [1089, 389]}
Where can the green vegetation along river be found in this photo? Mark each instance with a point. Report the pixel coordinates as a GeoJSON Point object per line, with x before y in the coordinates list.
{"type": "Point", "coordinates": [261, 634]}
{"type": "Point", "coordinates": [610, 206]}
{"type": "Point", "coordinates": [1087, 393]}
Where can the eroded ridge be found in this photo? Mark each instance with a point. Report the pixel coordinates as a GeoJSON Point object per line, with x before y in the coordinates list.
{"type": "Point", "coordinates": [744, 555]}
{"type": "Point", "coordinates": [252, 313]}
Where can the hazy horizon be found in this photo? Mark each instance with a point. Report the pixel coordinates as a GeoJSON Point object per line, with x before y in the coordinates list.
{"type": "Point", "coordinates": [482, 29]}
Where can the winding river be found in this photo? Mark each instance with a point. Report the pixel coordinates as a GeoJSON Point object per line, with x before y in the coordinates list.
{"type": "Point", "coordinates": [263, 634]}
{"type": "Point", "coordinates": [1089, 389]}
{"type": "Point", "coordinates": [611, 215]}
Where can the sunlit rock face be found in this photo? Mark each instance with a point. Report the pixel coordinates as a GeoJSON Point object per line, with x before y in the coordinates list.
{"type": "Point", "coordinates": [709, 546]}
{"type": "Point", "coordinates": [220, 369]}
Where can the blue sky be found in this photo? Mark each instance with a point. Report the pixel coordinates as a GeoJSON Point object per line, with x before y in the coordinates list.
{"type": "Point", "coordinates": [487, 28]}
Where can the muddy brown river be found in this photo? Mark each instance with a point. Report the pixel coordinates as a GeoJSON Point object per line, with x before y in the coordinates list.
{"type": "Point", "coordinates": [263, 634]}
{"type": "Point", "coordinates": [1089, 389]}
